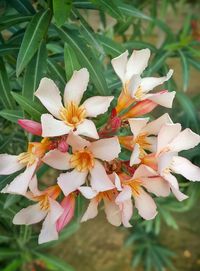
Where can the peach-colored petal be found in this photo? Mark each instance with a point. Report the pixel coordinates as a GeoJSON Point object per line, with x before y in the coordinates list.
{"type": "Point", "coordinates": [99, 179]}
{"type": "Point", "coordinates": [77, 142]}
{"type": "Point", "coordinates": [167, 133]}
{"type": "Point", "coordinates": [149, 83]}
{"type": "Point", "coordinates": [137, 124]}
{"type": "Point", "coordinates": [106, 149]}
{"type": "Point", "coordinates": [49, 96]}
{"type": "Point", "coordinates": [92, 210]}
{"type": "Point", "coordinates": [97, 105]}
{"type": "Point", "coordinates": [157, 186]}
{"type": "Point", "coordinates": [124, 195]}
{"type": "Point", "coordinates": [112, 212]}
{"type": "Point", "coordinates": [145, 205]}
{"type": "Point", "coordinates": [184, 167]}
{"type": "Point", "coordinates": [134, 159]}
{"type": "Point", "coordinates": [87, 192]}
{"type": "Point", "coordinates": [57, 159]}
{"type": "Point", "coordinates": [119, 65]}
{"type": "Point", "coordinates": [137, 62]}
{"type": "Point", "coordinates": [9, 164]}
{"type": "Point", "coordinates": [20, 184]}
{"type": "Point", "coordinates": [49, 230]}
{"type": "Point", "coordinates": [164, 99]}
{"type": "Point", "coordinates": [71, 181]}
{"type": "Point", "coordinates": [29, 215]}
{"type": "Point", "coordinates": [87, 128]}
{"type": "Point", "coordinates": [185, 140]}
{"type": "Point", "coordinates": [76, 86]}
{"type": "Point", "coordinates": [153, 127]}
{"type": "Point", "coordinates": [144, 171]}
{"type": "Point", "coordinates": [178, 194]}
{"type": "Point", "coordinates": [164, 161]}
{"type": "Point", "coordinates": [33, 186]}
{"type": "Point", "coordinates": [52, 127]}
{"type": "Point", "coordinates": [126, 212]}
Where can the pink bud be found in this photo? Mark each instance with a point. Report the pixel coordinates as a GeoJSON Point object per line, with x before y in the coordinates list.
{"type": "Point", "coordinates": [68, 204]}
{"type": "Point", "coordinates": [31, 126]}
{"type": "Point", "coordinates": [62, 145]}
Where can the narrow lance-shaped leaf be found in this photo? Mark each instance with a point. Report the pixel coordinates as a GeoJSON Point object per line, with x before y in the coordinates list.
{"type": "Point", "coordinates": [10, 20]}
{"type": "Point", "coordinates": [61, 10]}
{"type": "Point", "coordinates": [22, 6]}
{"type": "Point", "coordinates": [71, 61]}
{"type": "Point", "coordinates": [35, 70]}
{"type": "Point", "coordinates": [185, 70]}
{"type": "Point", "coordinates": [5, 88]}
{"type": "Point", "coordinates": [56, 73]}
{"type": "Point", "coordinates": [86, 59]}
{"type": "Point", "coordinates": [34, 109]}
{"type": "Point", "coordinates": [35, 32]}
{"type": "Point", "coordinates": [11, 115]}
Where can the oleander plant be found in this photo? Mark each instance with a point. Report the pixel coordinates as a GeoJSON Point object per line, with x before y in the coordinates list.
{"type": "Point", "coordinates": [92, 118]}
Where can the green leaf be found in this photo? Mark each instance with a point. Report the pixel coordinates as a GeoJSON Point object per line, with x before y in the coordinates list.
{"type": "Point", "coordinates": [5, 96]}
{"type": "Point", "coordinates": [35, 32]}
{"type": "Point", "coordinates": [185, 70]}
{"type": "Point", "coordinates": [157, 63]}
{"type": "Point", "coordinates": [86, 59]}
{"type": "Point", "coordinates": [10, 20]}
{"type": "Point", "coordinates": [35, 110]}
{"type": "Point", "coordinates": [8, 49]}
{"type": "Point", "coordinates": [111, 47]}
{"type": "Point", "coordinates": [71, 61]}
{"type": "Point", "coordinates": [61, 10]}
{"type": "Point", "coordinates": [22, 6]}
{"type": "Point", "coordinates": [53, 263]}
{"type": "Point", "coordinates": [129, 10]}
{"type": "Point", "coordinates": [8, 253]}
{"type": "Point", "coordinates": [13, 265]}
{"type": "Point", "coordinates": [11, 115]}
{"type": "Point", "coordinates": [137, 44]}
{"type": "Point", "coordinates": [34, 72]}
{"type": "Point", "coordinates": [111, 7]}
{"type": "Point", "coordinates": [56, 73]}
{"type": "Point", "coordinates": [194, 62]}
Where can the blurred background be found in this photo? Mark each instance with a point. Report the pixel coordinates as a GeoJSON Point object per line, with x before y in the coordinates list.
{"type": "Point", "coordinates": [101, 30]}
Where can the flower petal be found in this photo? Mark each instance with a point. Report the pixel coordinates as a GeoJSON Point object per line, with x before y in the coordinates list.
{"type": "Point", "coordinates": [92, 210]}
{"type": "Point", "coordinates": [145, 205]}
{"type": "Point", "coordinates": [137, 124]}
{"type": "Point", "coordinates": [97, 105]}
{"type": "Point", "coordinates": [133, 86]}
{"type": "Point", "coordinates": [77, 142]}
{"type": "Point", "coordinates": [29, 215]}
{"type": "Point", "coordinates": [184, 167]}
{"type": "Point", "coordinates": [105, 149]}
{"type": "Point", "coordinates": [167, 133]}
{"type": "Point", "coordinates": [49, 96]}
{"type": "Point", "coordinates": [157, 186]}
{"type": "Point", "coordinates": [134, 159]}
{"type": "Point", "coordinates": [87, 192]}
{"type": "Point", "coordinates": [119, 65]}
{"type": "Point", "coordinates": [144, 171]}
{"type": "Point", "coordinates": [9, 164]}
{"type": "Point", "coordinates": [137, 62]}
{"type": "Point", "coordinates": [126, 212]}
{"type": "Point", "coordinates": [125, 195]}
{"type": "Point", "coordinates": [20, 184]}
{"type": "Point", "coordinates": [149, 83]}
{"type": "Point", "coordinates": [185, 140]}
{"type": "Point", "coordinates": [33, 186]}
{"type": "Point", "coordinates": [99, 179]}
{"type": "Point", "coordinates": [57, 159]}
{"type": "Point", "coordinates": [153, 127]}
{"type": "Point", "coordinates": [164, 161]}
{"type": "Point", "coordinates": [112, 211]}
{"type": "Point", "coordinates": [162, 98]}
{"type": "Point", "coordinates": [76, 86]}
{"type": "Point", "coordinates": [178, 194]}
{"type": "Point", "coordinates": [87, 128]}
{"type": "Point", "coordinates": [71, 181]}
{"type": "Point", "coordinates": [52, 127]}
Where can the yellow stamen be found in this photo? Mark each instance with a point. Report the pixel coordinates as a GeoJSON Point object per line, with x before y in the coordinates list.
{"type": "Point", "coordinates": [134, 185]}
{"type": "Point", "coordinates": [73, 114]}
{"type": "Point", "coordinates": [43, 201]}
{"type": "Point", "coordinates": [82, 160]}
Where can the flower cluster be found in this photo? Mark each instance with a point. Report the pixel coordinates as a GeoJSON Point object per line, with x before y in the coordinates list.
{"type": "Point", "coordinates": [90, 158]}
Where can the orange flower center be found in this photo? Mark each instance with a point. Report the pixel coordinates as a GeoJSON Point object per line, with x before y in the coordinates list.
{"type": "Point", "coordinates": [73, 114]}
{"type": "Point", "coordinates": [134, 185]}
{"type": "Point", "coordinates": [35, 150]}
{"type": "Point", "coordinates": [142, 141]}
{"type": "Point", "coordinates": [82, 160]}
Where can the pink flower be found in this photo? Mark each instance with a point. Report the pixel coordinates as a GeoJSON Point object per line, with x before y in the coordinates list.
{"type": "Point", "coordinates": [84, 160]}
{"type": "Point", "coordinates": [68, 204]}
{"type": "Point", "coordinates": [136, 88]}
{"type": "Point", "coordinates": [133, 187]}
{"type": "Point", "coordinates": [46, 208]}
{"type": "Point", "coordinates": [31, 126]}
{"type": "Point", "coordinates": [71, 116]}
{"type": "Point", "coordinates": [30, 159]}
{"type": "Point", "coordinates": [172, 140]}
